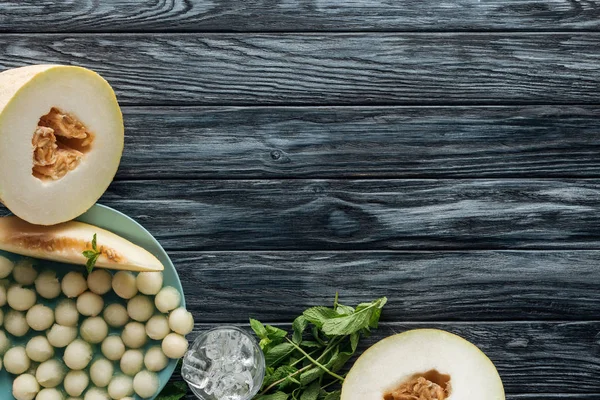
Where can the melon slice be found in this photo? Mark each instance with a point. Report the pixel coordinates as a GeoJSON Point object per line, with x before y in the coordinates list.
{"type": "Point", "coordinates": [61, 140]}
{"type": "Point", "coordinates": [423, 364]}
{"type": "Point", "coordinates": [67, 241]}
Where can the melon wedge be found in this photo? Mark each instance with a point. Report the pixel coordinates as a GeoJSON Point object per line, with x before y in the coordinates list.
{"type": "Point", "coordinates": [66, 242]}
{"type": "Point", "coordinates": [423, 364]}
{"type": "Point", "coordinates": [61, 140]}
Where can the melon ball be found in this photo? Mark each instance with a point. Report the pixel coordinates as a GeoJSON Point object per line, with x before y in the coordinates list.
{"type": "Point", "coordinates": [6, 267]}
{"type": "Point", "coordinates": [47, 285]}
{"type": "Point", "coordinates": [167, 299]}
{"type": "Point", "coordinates": [96, 394]}
{"type": "Point", "coordinates": [140, 308]}
{"type": "Point", "coordinates": [73, 284]}
{"type": "Point", "coordinates": [94, 330]}
{"type": "Point", "coordinates": [120, 387]}
{"type": "Point", "coordinates": [76, 382]}
{"type": "Point", "coordinates": [15, 323]}
{"type": "Point", "coordinates": [174, 345]}
{"type": "Point", "coordinates": [155, 360]}
{"type": "Point", "coordinates": [145, 384]}
{"type": "Point", "coordinates": [132, 362]}
{"type": "Point", "coordinates": [100, 281]}
{"type": "Point", "coordinates": [66, 313]}
{"type": "Point", "coordinates": [4, 342]}
{"type": "Point", "coordinates": [134, 335]}
{"type": "Point", "coordinates": [2, 295]}
{"type": "Point", "coordinates": [124, 285]}
{"type": "Point", "coordinates": [39, 317]}
{"type": "Point", "coordinates": [90, 304]}
{"type": "Point", "coordinates": [50, 373]}
{"type": "Point", "coordinates": [116, 315]}
{"type": "Point", "coordinates": [113, 348]}
{"type": "Point", "coordinates": [20, 298]}
{"type": "Point", "coordinates": [61, 336]}
{"type": "Point", "coordinates": [16, 361]}
{"type": "Point", "coordinates": [149, 282]}
{"type": "Point", "coordinates": [50, 394]}
{"type": "Point", "coordinates": [181, 321]}
{"type": "Point", "coordinates": [157, 327]}
{"type": "Point", "coordinates": [1, 317]}
{"type": "Point", "coordinates": [78, 354]}
{"type": "Point", "coordinates": [101, 372]}
{"type": "Point", "coordinates": [39, 349]}
{"type": "Point", "coordinates": [24, 273]}
{"type": "Point", "coordinates": [25, 387]}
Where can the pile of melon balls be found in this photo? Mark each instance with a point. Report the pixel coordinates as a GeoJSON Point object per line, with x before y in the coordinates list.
{"type": "Point", "coordinates": [95, 364]}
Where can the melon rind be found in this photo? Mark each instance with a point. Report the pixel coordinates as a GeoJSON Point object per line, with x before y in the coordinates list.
{"type": "Point", "coordinates": [396, 359]}
{"type": "Point", "coordinates": [66, 242]}
{"type": "Point", "coordinates": [26, 94]}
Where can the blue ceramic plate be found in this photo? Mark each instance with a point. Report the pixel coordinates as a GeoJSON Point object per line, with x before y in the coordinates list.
{"type": "Point", "coordinates": [122, 225]}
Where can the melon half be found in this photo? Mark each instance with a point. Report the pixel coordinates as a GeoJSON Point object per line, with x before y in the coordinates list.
{"type": "Point", "coordinates": [61, 140]}
{"type": "Point", "coordinates": [423, 364]}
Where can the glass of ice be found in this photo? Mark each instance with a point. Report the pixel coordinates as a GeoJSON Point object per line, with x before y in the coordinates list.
{"type": "Point", "coordinates": [224, 363]}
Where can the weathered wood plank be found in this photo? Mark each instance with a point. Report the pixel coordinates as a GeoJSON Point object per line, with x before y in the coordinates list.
{"type": "Point", "coordinates": [543, 358]}
{"type": "Point", "coordinates": [421, 286]}
{"type": "Point", "coordinates": [356, 142]}
{"type": "Point", "coordinates": [294, 15]}
{"type": "Point", "coordinates": [365, 214]}
{"type": "Point", "coordinates": [317, 69]}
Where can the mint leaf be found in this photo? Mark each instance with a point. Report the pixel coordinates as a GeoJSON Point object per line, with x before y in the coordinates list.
{"type": "Point", "coordinates": [344, 310]}
{"type": "Point", "coordinates": [354, 338]}
{"type": "Point", "coordinates": [319, 315]}
{"type": "Point", "coordinates": [299, 326]}
{"type": "Point", "coordinates": [259, 329]}
{"type": "Point", "coordinates": [277, 354]}
{"type": "Point", "coordinates": [91, 255]}
{"type": "Point", "coordinates": [311, 392]}
{"type": "Point", "coordinates": [275, 334]}
{"type": "Point", "coordinates": [310, 375]}
{"type": "Point", "coordinates": [365, 316]}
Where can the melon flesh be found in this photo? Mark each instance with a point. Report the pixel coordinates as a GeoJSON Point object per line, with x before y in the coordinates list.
{"type": "Point", "coordinates": [67, 241]}
{"type": "Point", "coordinates": [423, 364]}
{"type": "Point", "coordinates": [61, 140]}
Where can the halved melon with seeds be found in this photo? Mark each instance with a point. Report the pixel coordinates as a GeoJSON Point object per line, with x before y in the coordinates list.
{"type": "Point", "coordinates": [423, 364]}
{"type": "Point", "coordinates": [66, 242]}
{"type": "Point", "coordinates": [61, 140]}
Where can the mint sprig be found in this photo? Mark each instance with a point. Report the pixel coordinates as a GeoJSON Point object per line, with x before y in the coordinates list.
{"type": "Point", "coordinates": [304, 365]}
{"type": "Point", "coordinates": [92, 255]}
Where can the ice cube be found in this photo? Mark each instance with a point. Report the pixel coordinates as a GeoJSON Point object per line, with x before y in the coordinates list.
{"type": "Point", "coordinates": [214, 350]}
{"type": "Point", "coordinates": [197, 360]}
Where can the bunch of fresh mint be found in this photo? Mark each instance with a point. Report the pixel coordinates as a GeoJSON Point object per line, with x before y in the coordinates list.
{"type": "Point", "coordinates": [306, 365]}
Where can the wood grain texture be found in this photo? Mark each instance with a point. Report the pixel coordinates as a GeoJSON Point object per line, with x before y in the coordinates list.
{"type": "Point", "coordinates": [358, 142]}
{"type": "Point", "coordinates": [295, 15]}
{"type": "Point", "coordinates": [532, 358]}
{"type": "Point", "coordinates": [421, 286]}
{"type": "Point", "coordinates": [364, 214]}
{"type": "Point", "coordinates": [318, 69]}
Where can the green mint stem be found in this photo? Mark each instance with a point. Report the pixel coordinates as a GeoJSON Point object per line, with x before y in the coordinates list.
{"type": "Point", "coordinates": [318, 364]}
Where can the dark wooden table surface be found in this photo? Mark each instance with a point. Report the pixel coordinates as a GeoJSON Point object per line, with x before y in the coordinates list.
{"type": "Point", "coordinates": [445, 154]}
